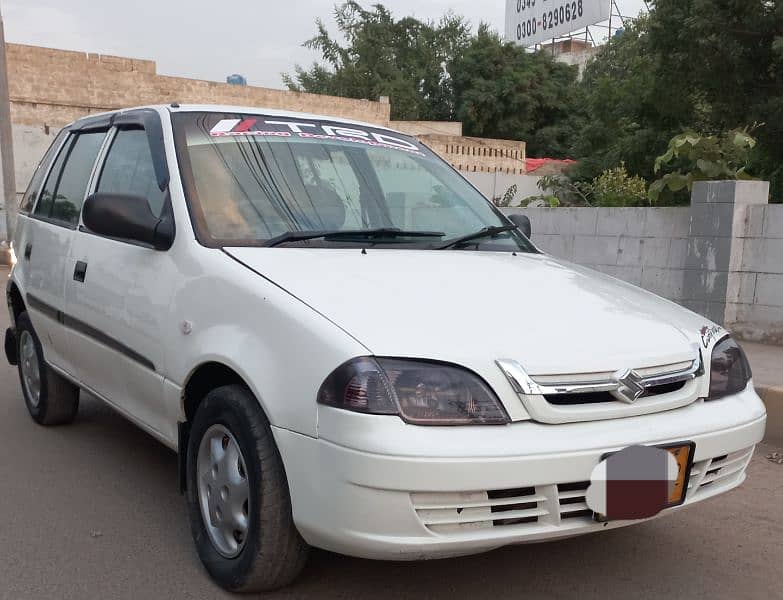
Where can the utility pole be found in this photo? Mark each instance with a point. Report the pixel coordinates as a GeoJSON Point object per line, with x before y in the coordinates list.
{"type": "Point", "coordinates": [7, 182]}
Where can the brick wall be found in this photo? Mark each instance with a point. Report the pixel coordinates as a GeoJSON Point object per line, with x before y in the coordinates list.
{"type": "Point", "coordinates": [481, 155]}
{"type": "Point", "coordinates": [453, 128]}
{"type": "Point", "coordinates": [54, 87]}
{"type": "Point", "coordinates": [50, 88]}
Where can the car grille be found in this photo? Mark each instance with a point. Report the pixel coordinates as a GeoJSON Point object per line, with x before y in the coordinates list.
{"type": "Point", "coordinates": [548, 505]}
{"type": "Point", "coordinates": [574, 397]}
{"type": "Point", "coordinates": [599, 397]}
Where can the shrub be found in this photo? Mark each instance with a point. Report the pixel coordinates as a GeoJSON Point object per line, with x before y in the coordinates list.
{"type": "Point", "coordinates": [615, 187]}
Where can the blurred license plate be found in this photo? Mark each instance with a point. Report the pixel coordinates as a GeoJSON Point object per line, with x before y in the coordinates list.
{"type": "Point", "coordinates": [683, 453]}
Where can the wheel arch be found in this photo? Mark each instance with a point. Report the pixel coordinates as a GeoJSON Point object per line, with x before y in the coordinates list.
{"type": "Point", "coordinates": [16, 305]}
{"type": "Point", "coordinates": [203, 379]}
{"type": "Point", "coordinates": [207, 376]}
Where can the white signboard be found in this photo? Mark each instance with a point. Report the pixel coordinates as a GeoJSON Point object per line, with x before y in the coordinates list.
{"type": "Point", "coordinates": [530, 22]}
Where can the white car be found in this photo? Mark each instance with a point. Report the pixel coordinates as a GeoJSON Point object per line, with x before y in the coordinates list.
{"type": "Point", "coordinates": [349, 347]}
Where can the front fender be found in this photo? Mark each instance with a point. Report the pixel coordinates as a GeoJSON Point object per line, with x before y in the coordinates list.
{"type": "Point", "coordinates": [282, 348]}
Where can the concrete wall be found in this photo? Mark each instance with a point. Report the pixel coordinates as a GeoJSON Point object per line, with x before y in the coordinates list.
{"type": "Point", "coordinates": [644, 246]}
{"type": "Point", "coordinates": [755, 287]}
{"type": "Point", "coordinates": [721, 257]}
{"type": "Point", "coordinates": [494, 185]}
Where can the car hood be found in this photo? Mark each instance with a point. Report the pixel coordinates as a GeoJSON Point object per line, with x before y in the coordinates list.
{"type": "Point", "coordinates": [472, 308]}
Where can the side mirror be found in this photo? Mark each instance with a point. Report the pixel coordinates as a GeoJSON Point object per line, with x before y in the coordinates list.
{"type": "Point", "coordinates": [128, 218]}
{"type": "Point", "coordinates": [522, 222]}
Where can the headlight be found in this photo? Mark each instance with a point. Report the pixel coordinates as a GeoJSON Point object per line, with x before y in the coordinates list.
{"type": "Point", "coordinates": [420, 392]}
{"type": "Point", "coordinates": [729, 369]}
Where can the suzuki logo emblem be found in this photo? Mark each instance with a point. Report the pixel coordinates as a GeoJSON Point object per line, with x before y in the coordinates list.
{"type": "Point", "coordinates": [630, 387]}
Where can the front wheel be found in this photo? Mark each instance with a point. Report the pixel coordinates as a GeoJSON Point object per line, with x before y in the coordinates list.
{"type": "Point", "coordinates": [237, 495]}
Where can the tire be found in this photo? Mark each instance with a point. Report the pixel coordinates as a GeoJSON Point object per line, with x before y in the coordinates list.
{"type": "Point", "coordinates": [57, 399]}
{"type": "Point", "coordinates": [270, 553]}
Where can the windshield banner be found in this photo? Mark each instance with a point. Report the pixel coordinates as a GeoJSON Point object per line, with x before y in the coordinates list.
{"type": "Point", "coordinates": [259, 126]}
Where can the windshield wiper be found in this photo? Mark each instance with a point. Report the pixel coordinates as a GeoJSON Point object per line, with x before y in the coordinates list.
{"type": "Point", "coordinates": [348, 234]}
{"type": "Point", "coordinates": [491, 231]}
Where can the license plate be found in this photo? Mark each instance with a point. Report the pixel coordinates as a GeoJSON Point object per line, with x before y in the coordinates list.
{"type": "Point", "coordinates": [683, 453]}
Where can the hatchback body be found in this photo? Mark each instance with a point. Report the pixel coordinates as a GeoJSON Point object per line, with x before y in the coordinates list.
{"type": "Point", "coordinates": [350, 348]}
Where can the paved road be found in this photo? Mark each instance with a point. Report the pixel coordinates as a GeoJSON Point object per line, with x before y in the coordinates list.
{"type": "Point", "coordinates": [91, 511]}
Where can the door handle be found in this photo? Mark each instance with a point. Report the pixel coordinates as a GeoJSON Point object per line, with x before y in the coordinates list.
{"type": "Point", "coordinates": [80, 271]}
{"type": "Point", "coordinates": [28, 250]}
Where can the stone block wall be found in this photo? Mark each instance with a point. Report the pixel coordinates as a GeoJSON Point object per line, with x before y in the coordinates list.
{"type": "Point", "coordinates": [644, 246]}
{"type": "Point", "coordinates": [755, 288]}
{"type": "Point", "coordinates": [722, 256]}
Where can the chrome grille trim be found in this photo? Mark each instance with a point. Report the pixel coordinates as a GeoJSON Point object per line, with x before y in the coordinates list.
{"type": "Point", "coordinates": [528, 385]}
{"type": "Point", "coordinates": [643, 390]}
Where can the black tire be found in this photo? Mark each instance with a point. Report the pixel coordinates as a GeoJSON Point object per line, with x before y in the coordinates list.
{"type": "Point", "coordinates": [58, 400]}
{"type": "Point", "coordinates": [274, 553]}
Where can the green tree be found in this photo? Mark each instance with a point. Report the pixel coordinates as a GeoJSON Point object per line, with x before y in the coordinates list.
{"type": "Point", "coordinates": [503, 91]}
{"type": "Point", "coordinates": [440, 71]}
{"type": "Point", "coordinates": [404, 59]}
{"type": "Point", "coordinates": [730, 53]}
{"type": "Point", "coordinates": [703, 65]}
{"type": "Point", "coordinates": [630, 115]}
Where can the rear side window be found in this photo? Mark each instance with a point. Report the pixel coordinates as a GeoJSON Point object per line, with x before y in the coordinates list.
{"type": "Point", "coordinates": [28, 200]}
{"type": "Point", "coordinates": [128, 169]}
{"type": "Point", "coordinates": [66, 186]}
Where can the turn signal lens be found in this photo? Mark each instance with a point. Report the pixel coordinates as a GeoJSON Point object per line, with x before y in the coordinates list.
{"type": "Point", "coordinates": [360, 386]}
{"type": "Point", "coordinates": [729, 369]}
{"type": "Point", "coordinates": [420, 392]}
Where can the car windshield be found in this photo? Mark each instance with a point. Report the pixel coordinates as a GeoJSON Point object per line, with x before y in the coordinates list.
{"type": "Point", "coordinates": [252, 179]}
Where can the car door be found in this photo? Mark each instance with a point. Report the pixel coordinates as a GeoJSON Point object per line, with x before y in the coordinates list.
{"type": "Point", "coordinates": [118, 298]}
{"type": "Point", "coordinates": [46, 237]}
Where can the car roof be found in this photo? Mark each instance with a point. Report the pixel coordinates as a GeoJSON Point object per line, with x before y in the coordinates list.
{"type": "Point", "coordinates": [224, 108]}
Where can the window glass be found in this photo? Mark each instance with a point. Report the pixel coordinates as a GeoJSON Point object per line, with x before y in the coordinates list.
{"type": "Point", "coordinates": [419, 197]}
{"type": "Point", "coordinates": [28, 200]}
{"type": "Point", "coordinates": [250, 178]}
{"type": "Point", "coordinates": [44, 206]}
{"type": "Point", "coordinates": [129, 169]}
{"type": "Point", "coordinates": [69, 197]}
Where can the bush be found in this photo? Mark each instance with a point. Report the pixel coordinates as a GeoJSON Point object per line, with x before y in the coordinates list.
{"type": "Point", "coordinates": [615, 187]}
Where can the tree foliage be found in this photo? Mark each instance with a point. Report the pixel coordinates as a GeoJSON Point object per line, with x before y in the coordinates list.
{"type": "Point", "coordinates": [693, 157]}
{"type": "Point", "coordinates": [404, 59]}
{"type": "Point", "coordinates": [708, 66]}
{"type": "Point", "coordinates": [502, 91]}
{"type": "Point", "coordinates": [689, 65]}
{"type": "Point", "coordinates": [441, 71]}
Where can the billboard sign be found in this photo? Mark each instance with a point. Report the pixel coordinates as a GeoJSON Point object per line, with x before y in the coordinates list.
{"type": "Point", "coordinates": [530, 22]}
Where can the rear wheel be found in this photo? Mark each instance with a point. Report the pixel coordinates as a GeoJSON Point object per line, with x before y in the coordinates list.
{"type": "Point", "coordinates": [50, 398]}
{"type": "Point", "coordinates": [237, 494]}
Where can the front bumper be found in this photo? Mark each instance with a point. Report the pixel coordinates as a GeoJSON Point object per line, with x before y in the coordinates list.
{"type": "Point", "coordinates": [393, 491]}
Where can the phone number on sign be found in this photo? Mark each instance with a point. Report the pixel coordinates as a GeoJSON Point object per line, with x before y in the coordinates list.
{"type": "Point", "coordinates": [565, 13]}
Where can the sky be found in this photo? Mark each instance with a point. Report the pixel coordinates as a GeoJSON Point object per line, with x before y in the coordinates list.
{"type": "Point", "coordinates": [210, 39]}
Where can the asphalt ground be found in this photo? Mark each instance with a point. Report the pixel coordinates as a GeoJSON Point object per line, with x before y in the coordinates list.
{"type": "Point", "coordinates": [91, 510]}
